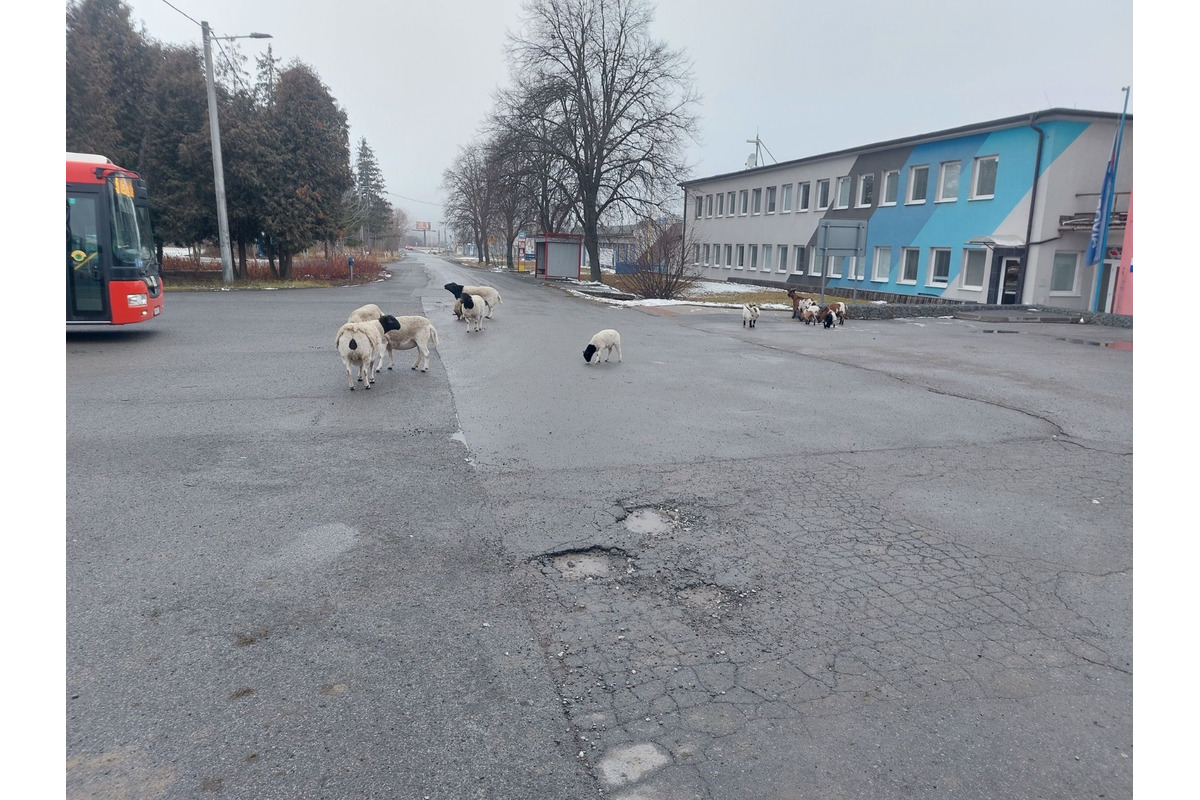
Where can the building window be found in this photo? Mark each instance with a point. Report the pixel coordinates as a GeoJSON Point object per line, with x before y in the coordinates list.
{"type": "Point", "coordinates": [1062, 278]}
{"type": "Point", "coordinates": [757, 206]}
{"type": "Point", "coordinates": [728, 256]}
{"type": "Point", "coordinates": [801, 259]}
{"type": "Point", "coordinates": [814, 266]}
{"type": "Point", "coordinates": [983, 178]}
{"type": "Point", "coordinates": [741, 261]}
{"type": "Point", "coordinates": [891, 185]}
{"type": "Point", "coordinates": [732, 203]}
{"type": "Point", "coordinates": [770, 199]}
{"type": "Point", "coordinates": [721, 204]}
{"type": "Point", "coordinates": [833, 265]}
{"type": "Point", "coordinates": [858, 268]}
{"type": "Point", "coordinates": [783, 251]}
{"type": "Point", "coordinates": [699, 206]}
{"type": "Point", "coordinates": [918, 183]}
{"type": "Point", "coordinates": [802, 191]}
{"type": "Point", "coordinates": [939, 259]}
{"type": "Point", "coordinates": [768, 253]}
{"type": "Point", "coordinates": [866, 190]}
{"type": "Point", "coordinates": [708, 207]}
{"type": "Point", "coordinates": [822, 194]}
{"type": "Point", "coordinates": [706, 254]}
{"type": "Point", "coordinates": [695, 254]}
{"type": "Point", "coordinates": [753, 256]}
{"type": "Point", "coordinates": [745, 202]}
{"type": "Point", "coordinates": [843, 193]}
{"type": "Point", "coordinates": [786, 199]}
{"type": "Point", "coordinates": [910, 260]}
{"type": "Point", "coordinates": [881, 270]}
{"type": "Point", "coordinates": [974, 262]}
{"type": "Point", "coordinates": [948, 181]}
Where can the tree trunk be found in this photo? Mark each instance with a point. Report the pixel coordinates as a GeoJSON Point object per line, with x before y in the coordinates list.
{"type": "Point", "coordinates": [271, 259]}
{"type": "Point", "coordinates": [285, 266]}
{"type": "Point", "coordinates": [242, 273]}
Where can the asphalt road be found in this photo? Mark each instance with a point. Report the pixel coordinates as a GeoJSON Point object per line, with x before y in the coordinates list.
{"type": "Point", "coordinates": [889, 560]}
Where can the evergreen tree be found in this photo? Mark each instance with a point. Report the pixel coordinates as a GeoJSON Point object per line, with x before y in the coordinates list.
{"type": "Point", "coordinates": [305, 189]}
{"type": "Point", "coordinates": [369, 187]}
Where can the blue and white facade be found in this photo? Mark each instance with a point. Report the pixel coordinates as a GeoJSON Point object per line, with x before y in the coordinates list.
{"type": "Point", "coordinates": [999, 212]}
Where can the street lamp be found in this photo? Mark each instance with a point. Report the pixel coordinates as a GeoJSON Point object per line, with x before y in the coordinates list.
{"type": "Point", "coordinates": [215, 129]}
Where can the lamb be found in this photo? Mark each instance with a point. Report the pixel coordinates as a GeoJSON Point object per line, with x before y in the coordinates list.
{"type": "Point", "coordinates": [415, 332]}
{"type": "Point", "coordinates": [474, 308]}
{"type": "Point", "coordinates": [489, 295]}
{"type": "Point", "coordinates": [357, 344]}
{"type": "Point", "coordinates": [749, 314]}
{"type": "Point", "coordinates": [606, 340]}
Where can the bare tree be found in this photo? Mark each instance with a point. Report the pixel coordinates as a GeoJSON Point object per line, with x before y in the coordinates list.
{"type": "Point", "coordinates": [468, 208]}
{"type": "Point", "coordinates": [662, 270]}
{"type": "Point", "coordinates": [616, 105]}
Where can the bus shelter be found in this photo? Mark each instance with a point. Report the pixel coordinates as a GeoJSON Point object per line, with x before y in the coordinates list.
{"type": "Point", "coordinates": [558, 255]}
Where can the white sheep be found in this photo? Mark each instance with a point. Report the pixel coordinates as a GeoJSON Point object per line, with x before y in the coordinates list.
{"type": "Point", "coordinates": [357, 343]}
{"type": "Point", "coordinates": [606, 340]}
{"type": "Point", "coordinates": [379, 324]}
{"type": "Point", "coordinates": [490, 296]}
{"type": "Point", "coordinates": [749, 314]}
{"type": "Point", "coordinates": [415, 332]}
{"type": "Point", "coordinates": [474, 308]}
{"type": "Point", "coordinates": [363, 313]}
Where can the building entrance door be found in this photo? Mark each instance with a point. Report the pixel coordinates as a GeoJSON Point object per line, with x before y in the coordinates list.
{"type": "Point", "coordinates": [1011, 291]}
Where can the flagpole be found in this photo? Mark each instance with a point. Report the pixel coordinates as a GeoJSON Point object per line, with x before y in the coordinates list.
{"type": "Point", "coordinates": [1108, 205]}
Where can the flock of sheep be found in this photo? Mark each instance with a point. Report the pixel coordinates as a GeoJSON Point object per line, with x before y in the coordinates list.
{"type": "Point", "coordinates": [370, 334]}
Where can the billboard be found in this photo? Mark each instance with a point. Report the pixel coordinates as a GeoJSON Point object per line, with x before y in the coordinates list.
{"type": "Point", "coordinates": [422, 226]}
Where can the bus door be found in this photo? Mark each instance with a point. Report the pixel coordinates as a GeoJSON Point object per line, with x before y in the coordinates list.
{"type": "Point", "coordinates": [86, 295]}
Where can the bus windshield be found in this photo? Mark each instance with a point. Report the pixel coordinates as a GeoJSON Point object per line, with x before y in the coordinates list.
{"type": "Point", "coordinates": [130, 246]}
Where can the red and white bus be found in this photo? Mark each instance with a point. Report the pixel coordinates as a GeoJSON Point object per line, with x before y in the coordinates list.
{"type": "Point", "coordinates": [113, 275]}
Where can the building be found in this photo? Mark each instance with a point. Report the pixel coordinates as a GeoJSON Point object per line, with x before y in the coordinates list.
{"type": "Point", "coordinates": [955, 215]}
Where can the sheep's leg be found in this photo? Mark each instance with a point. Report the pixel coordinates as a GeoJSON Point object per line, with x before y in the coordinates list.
{"type": "Point", "coordinates": [349, 375]}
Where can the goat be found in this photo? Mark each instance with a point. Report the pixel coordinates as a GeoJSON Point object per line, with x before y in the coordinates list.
{"type": "Point", "coordinates": [749, 314]}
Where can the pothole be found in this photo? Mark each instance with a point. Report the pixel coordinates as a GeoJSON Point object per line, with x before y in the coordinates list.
{"type": "Point", "coordinates": [648, 521]}
{"type": "Point", "coordinates": [589, 564]}
{"type": "Point", "coordinates": [703, 596]}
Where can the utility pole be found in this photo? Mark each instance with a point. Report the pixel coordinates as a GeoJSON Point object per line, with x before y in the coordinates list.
{"type": "Point", "coordinates": [218, 167]}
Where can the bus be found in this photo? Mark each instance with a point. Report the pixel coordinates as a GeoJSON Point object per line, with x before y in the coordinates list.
{"type": "Point", "coordinates": [113, 276]}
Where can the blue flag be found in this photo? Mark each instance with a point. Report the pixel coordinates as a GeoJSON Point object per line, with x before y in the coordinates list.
{"type": "Point", "coordinates": [1100, 223]}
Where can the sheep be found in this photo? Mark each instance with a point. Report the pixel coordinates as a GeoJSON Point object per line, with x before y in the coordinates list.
{"type": "Point", "coordinates": [382, 323]}
{"type": "Point", "coordinates": [363, 313]}
{"type": "Point", "coordinates": [749, 314]}
{"type": "Point", "coordinates": [474, 309]}
{"type": "Point", "coordinates": [489, 295]}
{"type": "Point", "coordinates": [458, 309]}
{"type": "Point", "coordinates": [357, 344]}
{"type": "Point", "coordinates": [415, 332]}
{"type": "Point", "coordinates": [606, 340]}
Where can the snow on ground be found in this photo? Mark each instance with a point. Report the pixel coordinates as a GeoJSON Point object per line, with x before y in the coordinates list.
{"type": "Point", "coordinates": [699, 289]}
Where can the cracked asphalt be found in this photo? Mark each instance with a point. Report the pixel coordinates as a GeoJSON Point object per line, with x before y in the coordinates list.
{"type": "Point", "coordinates": [889, 560]}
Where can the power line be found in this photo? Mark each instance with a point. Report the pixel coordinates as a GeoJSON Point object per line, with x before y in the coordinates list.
{"type": "Point", "coordinates": [180, 12]}
{"type": "Point", "coordinates": [414, 200]}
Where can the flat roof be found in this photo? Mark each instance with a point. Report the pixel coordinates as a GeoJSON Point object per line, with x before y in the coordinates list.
{"type": "Point", "coordinates": [996, 124]}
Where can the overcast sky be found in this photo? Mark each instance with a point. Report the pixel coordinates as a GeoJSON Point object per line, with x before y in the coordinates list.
{"type": "Point", "coordinates": [416, 78]}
